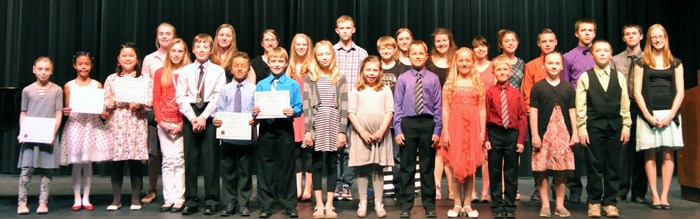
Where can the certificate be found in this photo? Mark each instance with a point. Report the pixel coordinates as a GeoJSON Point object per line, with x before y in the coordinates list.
{"type": "Point", "coordinates": [234, 126]}
{"type": "Point", "coordinates": [87, 100]}
{"type": "Point", "coordinates": [129, 90]}
{"type": "Point", "coordinates": [37, 130]}
{"type": "Point", "coordinates": [272, 103]}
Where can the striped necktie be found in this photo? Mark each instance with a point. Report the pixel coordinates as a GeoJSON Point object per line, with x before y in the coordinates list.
{"type": "Point", "coordinates": [419, 94]}
{"type": "Point", "coordinates": [237, 102]}
{"type": "Point", "coordinates": [505, 118]}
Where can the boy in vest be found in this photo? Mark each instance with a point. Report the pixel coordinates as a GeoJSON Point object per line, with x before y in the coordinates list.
{"type": "Point", "coordinates": [602, 108]}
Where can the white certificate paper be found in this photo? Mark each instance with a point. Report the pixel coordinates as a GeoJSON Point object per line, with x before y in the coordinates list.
{"type": "Point", "coordinates": [87, 100]}
{"type": "Point", "coordinates": [129, 90]}
{"type": "Point", "coordinates": [234, 126]}
{"type": "Point", "coordinates": [37, 130]}
{"type": "Point", "coordinates": [272, 103]}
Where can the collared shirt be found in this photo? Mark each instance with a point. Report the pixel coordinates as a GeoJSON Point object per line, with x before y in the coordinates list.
{"type": "Point", "coordinates": [516, 113]}
{"type": "Point", "coordinates": [214, 80]}
{"type": "Point", "coordinates": [622, 63]}
{"type": "Point", "coordinates": [534, 72]}
{"type": "Point", "coordinates": [284, 83]}
{"type": "Point", "coordinates": [151, 63]}
{"type": "Point", "coordinates": [575, 64]}
{"type": "Point", "coordinates": [405, 98]}
{"type": "Point", "coordinates": [349, 61]}
{"type": "Point", "coordinates": [227, 101]}
{"type": "Point", "coordinates": [603, 75]}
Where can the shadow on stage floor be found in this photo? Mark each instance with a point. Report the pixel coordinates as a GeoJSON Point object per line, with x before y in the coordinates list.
{"type": "Point", "coordinates": [62, 199]}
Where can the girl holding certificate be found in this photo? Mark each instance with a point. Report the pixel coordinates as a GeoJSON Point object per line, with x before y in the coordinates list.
{"type": "Point", "coordinates": [128, 125]}
{"type": "Point", "coordinates": [85, 138]}
{"type": "Point", "coordinates": [42, 99]}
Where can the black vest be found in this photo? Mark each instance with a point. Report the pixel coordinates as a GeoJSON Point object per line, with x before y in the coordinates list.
{"type": "Point", "coordinates": [603, 107]}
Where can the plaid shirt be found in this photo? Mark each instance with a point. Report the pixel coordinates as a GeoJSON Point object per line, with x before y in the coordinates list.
{"type": "Point", "coordinates": [349, 62]}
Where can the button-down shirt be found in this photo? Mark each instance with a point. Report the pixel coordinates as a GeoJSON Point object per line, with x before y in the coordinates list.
{"type": "Point", "coordinates": [534, 72]}
{"type": "Point", "coordinates": [604, 79]}
{"type": "Point", "coordinates": [349, 61]}
{"type": "Point", "coordinates": [227, 100]}
{"type": "Point", "coordinates": [622, 63]}
{"type": "Point", "coordinates": [151, 63]}
{"type": "Point", "coordinates": [214, 80]}
{"type": "Point", "coordinates": [576, 63]}
{"type": "Point", "coordinates": [405, 98]}
{"type": "Point", "coordinates": [284, 83]}
{"type": "Point", "coordinates": [516, 113]}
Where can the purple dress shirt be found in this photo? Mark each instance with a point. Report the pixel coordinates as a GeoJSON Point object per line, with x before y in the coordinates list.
{"type": "Point", "coordinates": [576, 63]}
{"type": "Point", "coordinates": [405, 98]}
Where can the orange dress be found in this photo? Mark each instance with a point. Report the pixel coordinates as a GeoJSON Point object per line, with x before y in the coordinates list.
{"type": "Point", "coordinates": [465, 150]}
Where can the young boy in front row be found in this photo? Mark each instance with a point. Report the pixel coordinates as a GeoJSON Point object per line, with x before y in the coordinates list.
{"type": "Point", "coordinates": [236, 155]}
{"type": "Point", "coordinates": [602, 108]}
{"type": "Point", "coordinates": [506, 123]}
{"type": "Point", "coordinates": [417, 125]}
{"type": "Point", "coordinates": [276, 141]}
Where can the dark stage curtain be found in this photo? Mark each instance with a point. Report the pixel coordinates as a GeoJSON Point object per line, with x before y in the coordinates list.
{"type": "Point", "coordinates": [58, 28]}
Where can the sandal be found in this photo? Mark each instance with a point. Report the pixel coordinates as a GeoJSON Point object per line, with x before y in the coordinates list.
{"type": "Point", "coordinates": [546, 212]}
{"type": "Point", "coordinates": [453, 214]}
{"type": "Point", "coordinates": [438, 193]}
{"type": "Point", "coordinates": [472, 214]}
{"type": "Point", "coordinates": [319, 213]}
{"type": "Point", "coordinates": [330, 212]}
{"type": "Point", "coordinates": [381, 213]}
{"type": "Point", "coordinates": [362, 210]}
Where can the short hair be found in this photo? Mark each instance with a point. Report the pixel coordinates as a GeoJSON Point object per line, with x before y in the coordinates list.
{"type": "Point", "coordinates": [502, 34]}
{"type": "Point", "coordinates": [639, 28]}
{"type": "Point", "coordinates": [479, 41]}
{"type": "Point", "coordinates": [552, 53]}
{"type": "Point", "coordinates": [44, 59]}
{"type": "Point", "coordinates": [388, 41]}
{"type": "Point", "coordinates": [601, 41]}
{"type": "Point", "coordinates": [344, 18]}
{"type": "Point", "coordinates": [420, 43]}
{"type": "Point", "coordinates": [165, 24]}
{"type": "Point", "coordinates": [546, 31]}
{"type": "Point", "coordinates": [584, 21]}
{"type": "Point", "coordinates": [501, 60]}
{"type": "Point", "coordinates": [242, 55]}
{"type": "Point", "coordinates": [203, 38]}
{"type": "Point", "coordinates": [278, 52]}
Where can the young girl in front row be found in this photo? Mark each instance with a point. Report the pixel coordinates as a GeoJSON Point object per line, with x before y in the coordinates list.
{"type": "Point", "coordinates": [42, 99]}
{"type": "Point", "coordinates": [464, 125]}
{"type": "Point", "coordinates": [554, 132]}
{"type": "Point", "coordinates": [370, 111]}
{"type": "Point", "coordinates": [85, 138]}
{"type": "Point", "coordinates": [326, 113]}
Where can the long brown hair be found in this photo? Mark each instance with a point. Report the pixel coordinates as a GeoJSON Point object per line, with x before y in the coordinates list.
{"type": "Point", "coordinates": [166, 79]}
{"type": "Point", "coordinates": [450, 51]}
{"type": "Point", "coordinates": [362, 82]}
{"type": "Point", "coordinates": [232, 49]}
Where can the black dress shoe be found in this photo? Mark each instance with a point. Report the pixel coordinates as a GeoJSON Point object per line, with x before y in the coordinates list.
{"type": "Point", "coordinates": [639, 200]}
{"type": "Point", "coordinates": [405, 214]}
{"type": "Point", "coordinates": [499, 214]}
{"type": "Point", "coordinates": [245, 212]}
{"type": "Point", "coordinates": [656, 207]}
{"type": "Point", "coordinates": [535, 196]}
{"type": "Point", "coordinates": [228, 210]}
{"type": "Point", "coordinates": [509, 215]}
{"type": "Point", "coordinates": [666, 207]}
{"type": "Point", "coordinates": [188, 210]}
{"type": "Point", "coordinates": [175, 209]}
{"type": "Point", "coordinates": [209, 210]}
{"type": "Point", "coordinates": [430, 214]}
{"type": "Point", "coordinates": [264, 214]}
{"type": "Point", "coordinates": [292, 213]}
{"type": "Point", "coordinates": [166, 208]}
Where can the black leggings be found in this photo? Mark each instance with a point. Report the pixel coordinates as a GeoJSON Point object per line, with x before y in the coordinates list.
{"type": "Point", "coordinates": [302, 158]}
{"type": "Point", "coordinates": [135, 171]}
{"type": "Point", "coordinates": [327, 160]}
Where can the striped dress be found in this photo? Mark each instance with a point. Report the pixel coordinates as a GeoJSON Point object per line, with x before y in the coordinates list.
{"type": "Point", "coordinates": [327, 118]}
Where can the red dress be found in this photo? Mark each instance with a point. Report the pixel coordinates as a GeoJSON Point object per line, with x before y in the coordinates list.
{"type": "Point", "coordinates": [465, 151]}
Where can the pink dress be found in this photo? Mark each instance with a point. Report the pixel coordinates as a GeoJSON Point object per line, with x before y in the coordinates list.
{"type": "Point", "coordinates": [465, 151]}
{"type": "Point", "coordinates": [129, 129]}
{"type": "Point", "coordinates": [555, 155]}
{"type": "Point", "coordinates": [299, 125]}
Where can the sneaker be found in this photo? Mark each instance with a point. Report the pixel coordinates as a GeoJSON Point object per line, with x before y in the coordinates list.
{"type": "Point", "coordinates": [611, 211]}
{"type": "Point", "coordinates": [337, 193]}
{"type": "Point", "coordinates": [593, 210]}
{"type": "Point", "coordinates": [345, 193]}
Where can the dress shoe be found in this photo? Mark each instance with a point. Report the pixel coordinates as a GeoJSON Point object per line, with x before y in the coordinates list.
{"type": "Point", "coordinates": [639, 200]}
{"type": "Point", "coordinates": [509, 214]}
{"type": "Point", "coordinates": [245, 212]}
{"type": "Point", "coordinates": [666, 207]}
{"type": "Point", "coordinates": [188, 210]}
{"type": "Point", "coordinates": [264, 214]}
{"type": "Point", "coordinates": [149, 197]}
{"type": "Point", "coordinates": [292, 212]}
{"type": "Point", "coordinates": [88, 207]}
{"type": "Point", "coordinates": [405, 214]}
{"type": "Point", "coordinates": [656, 207]}
{"type": "Point", "coordinates": [499, 214]}
{"type": "Point", "coordinates": [535, 196]}
{"type": "Point", "coordinates": [135, 207]}
{"type": "Point", "coordinates": [166, 208]}
{"type": "Point", "coordinates": [430, 214]}
{"type": "Point", "coordinates": [76, 207]}
{"type": "Point", "coordinates": [176, 209]}
{"type": "Point", "coordinates": [114, 207]}
{"type": "Point", "coordinates": [228, 210]}
{"type": "Point", "coordinates": [209, 210]}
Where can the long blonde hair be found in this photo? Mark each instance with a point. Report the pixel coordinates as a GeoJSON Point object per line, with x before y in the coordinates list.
{"type": "Point", "coordinates": [232, 49]}
{"type": "Point", "coordinates": [307, 59]}
{"type": "Point", "coordinates": [332, 68]}
{"type": "Point", "coordinates": [453, 74]}
{"type": "Point", "coordinates": [166, 79]}
{"type": "Point", "coordinates": [648, 57]}
{"type": "Point", "coordinates": [362, 81]}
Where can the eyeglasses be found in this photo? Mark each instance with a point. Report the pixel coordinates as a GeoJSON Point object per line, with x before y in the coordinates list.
{"type": "Point", "coordinates": [658, 37]}
{"type": "Point", "coordinates": [269, 40]}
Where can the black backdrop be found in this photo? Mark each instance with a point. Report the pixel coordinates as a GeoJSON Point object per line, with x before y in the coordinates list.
{"type": "Point", "coordinates": [58, 28]}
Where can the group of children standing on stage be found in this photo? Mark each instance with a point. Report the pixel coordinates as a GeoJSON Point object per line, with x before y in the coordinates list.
{"type": "Point", "coordinates": [351, 116]}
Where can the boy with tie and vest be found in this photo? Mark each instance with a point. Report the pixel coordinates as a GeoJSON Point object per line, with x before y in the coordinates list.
{"type": "Point", "coordinates": [602, 108]}
{"type": "Point", "coordinates": [417, 124]}
{"type": "Point", "coordinates": [236, 155]}
{"type": "Point", "coordinates": [197, 94]}
{"type": "Point", "coordinates": [275, 149]}
{"type": "Point", "coordinates": [506, 125]}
